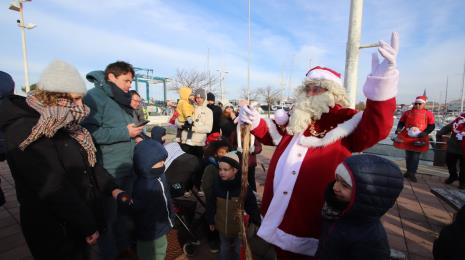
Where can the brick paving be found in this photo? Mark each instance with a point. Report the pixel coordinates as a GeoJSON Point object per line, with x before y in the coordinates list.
{"type": "Point", "coordinates": [412, 224]}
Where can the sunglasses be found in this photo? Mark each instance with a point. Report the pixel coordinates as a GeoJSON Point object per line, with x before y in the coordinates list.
{"type": "Point", "coordinates": [419, 104]}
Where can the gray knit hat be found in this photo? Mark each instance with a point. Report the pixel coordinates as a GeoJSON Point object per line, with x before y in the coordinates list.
{"type": "Point", "coordinates": [200, 92]}
{"type": "Point", "coordinates": [61, 77]}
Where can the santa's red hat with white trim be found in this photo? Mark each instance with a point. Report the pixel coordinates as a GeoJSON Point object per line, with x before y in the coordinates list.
{"type": "Point", "coordinates": [322, 73]}
{"type": "Point", "coordinates": [421, 99]}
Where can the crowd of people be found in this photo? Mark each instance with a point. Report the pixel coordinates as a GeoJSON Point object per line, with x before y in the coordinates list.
{"type": "Point", "coordinates": [96, 186]}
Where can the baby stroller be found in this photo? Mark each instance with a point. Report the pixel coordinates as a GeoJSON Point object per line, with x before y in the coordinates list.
{"type": "Point", "coordinates": [188, 217]}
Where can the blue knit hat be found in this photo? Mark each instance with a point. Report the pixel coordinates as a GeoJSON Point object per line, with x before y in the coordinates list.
{"type": "Point", "coordinates": [147, 153]}
{"type": "Point", "coordinates": [157, 134]}
{"type": "Point", "coordinates": [7, 85]}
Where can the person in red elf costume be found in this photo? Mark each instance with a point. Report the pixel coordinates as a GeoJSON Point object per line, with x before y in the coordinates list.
{"type": "Point", "coordinates": [412, 135]}
{"type": "Point", "coordinates": [320, 134]}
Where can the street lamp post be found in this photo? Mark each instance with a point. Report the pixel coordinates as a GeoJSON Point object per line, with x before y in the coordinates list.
{"type": "Point", "coordinates": [18, 7]}
{"type": "Point", "coordinates": [221, 81]}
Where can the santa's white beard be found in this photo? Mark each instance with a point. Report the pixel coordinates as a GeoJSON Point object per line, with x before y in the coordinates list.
{"type": "Point", "coordinates": [307, 109]}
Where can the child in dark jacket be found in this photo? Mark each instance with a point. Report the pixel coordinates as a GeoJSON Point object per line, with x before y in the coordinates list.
{"type": "Point", "coordinates": [366, 187]}
{"type": "Point", "coordinates": [215, 150]}
{"type": "Point", "coordinates": [152, 202]}
{"type": "Point", "coordinates": [223, 204]}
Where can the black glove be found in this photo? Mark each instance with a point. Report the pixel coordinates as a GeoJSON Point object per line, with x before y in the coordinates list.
{"type": "Point", "coordinates": [124, 202]}
{"type": "Point", "coordinates": [398, 130]}
{"type": "Point", "coordinates": [420, 135]}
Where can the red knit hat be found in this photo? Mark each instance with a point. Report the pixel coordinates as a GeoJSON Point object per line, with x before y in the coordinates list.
{"type": "Point", "coordinates": [420, 99]}
{"type": "Point", "coordinates": [213, 137]}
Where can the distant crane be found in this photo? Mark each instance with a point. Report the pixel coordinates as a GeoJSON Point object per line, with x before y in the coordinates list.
{"type": "Point", "coordinates": [147, 77]}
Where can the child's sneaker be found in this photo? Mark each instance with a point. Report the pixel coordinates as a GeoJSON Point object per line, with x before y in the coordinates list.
{"type": "Point", "coordinates": [178, 140]}
{"type": "Point", "coordinates": [187, 194]}
{"type": "Point", "coordinates": [214, 247]}
{"type": "Point", "coordinates": [201, 194]}
{"type": "Point", "coordinates": [189, 142]}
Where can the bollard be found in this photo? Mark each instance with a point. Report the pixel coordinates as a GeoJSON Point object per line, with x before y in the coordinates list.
{"type": "Point", "coordinates": [441, 150]}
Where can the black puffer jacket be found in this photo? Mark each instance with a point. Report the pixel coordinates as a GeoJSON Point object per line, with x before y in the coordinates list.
{"type": "Point", "coordinates": [358, 232]}
{"type": "Point", "coordinates": [59, 193]}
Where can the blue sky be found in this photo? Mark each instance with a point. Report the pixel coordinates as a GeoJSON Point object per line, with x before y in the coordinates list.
{"type": "Point", "coordinates": [287, 37]}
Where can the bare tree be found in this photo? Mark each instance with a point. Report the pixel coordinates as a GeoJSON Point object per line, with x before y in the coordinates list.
{"type": "Point", "coordinates": [253, 95]}
{"type": "Point", "coordinates": [270, 95]}
{"type": "Point", "coordinates": [195, 80]}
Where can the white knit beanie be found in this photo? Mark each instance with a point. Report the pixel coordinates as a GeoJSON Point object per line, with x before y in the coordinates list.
{"type": "Point", "coordinates": [342, 171]}
{"type": "Point", "coordinates": [61, 77]}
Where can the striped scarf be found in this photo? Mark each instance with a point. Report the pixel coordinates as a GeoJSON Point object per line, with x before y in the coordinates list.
{"type": "Point", "coordinates": [65, 115]}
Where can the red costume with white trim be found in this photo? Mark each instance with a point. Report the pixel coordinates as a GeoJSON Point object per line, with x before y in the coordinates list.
{"type": "Point", "coordinates": [419, 118]}
{"type": "Point", "coordinates": [320, 134]}
{"type": "Point", "coordinates": [303, 165]}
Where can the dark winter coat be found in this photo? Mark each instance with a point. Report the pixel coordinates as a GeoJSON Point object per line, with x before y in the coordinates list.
{"type": "Point", "coordinates": [450, 244]}
{"type": "Point", "coordinates": [153, 212]}
{"type": "Point", "coordinates": [229, 192]}
{"type": "Point", "coordinates": [217, 112]}
{"type": "Point", "coordinates": [453, 145]}
{"type": "Point", "coordinates": [60, 195]}
{"type": "Point", "coordinates": [358, 232]}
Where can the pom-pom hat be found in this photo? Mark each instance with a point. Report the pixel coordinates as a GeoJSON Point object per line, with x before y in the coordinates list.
{"type": "Point", "coordinates": [61, 77]}
{"type": "Point", "coordinates": [421, 99]}
{"type": "Point", "coordinates": [232, 159]}
{"type": "Point", "coordinates": [322, 73]}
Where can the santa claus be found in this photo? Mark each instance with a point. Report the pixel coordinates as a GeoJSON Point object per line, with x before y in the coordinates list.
{"type": "Point", "coordinates": [320, 133]}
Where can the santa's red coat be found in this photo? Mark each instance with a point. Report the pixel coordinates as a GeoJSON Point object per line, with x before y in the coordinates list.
{"type": "Point", "coordinates": [303, 165]}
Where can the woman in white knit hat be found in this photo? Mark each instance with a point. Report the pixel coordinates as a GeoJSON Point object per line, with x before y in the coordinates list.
{"type": "Point", "coordinates": [52, 159]}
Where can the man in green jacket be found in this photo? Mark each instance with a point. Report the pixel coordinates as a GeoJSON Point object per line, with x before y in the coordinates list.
{"type": "Point", "coordinates": [112, 127]}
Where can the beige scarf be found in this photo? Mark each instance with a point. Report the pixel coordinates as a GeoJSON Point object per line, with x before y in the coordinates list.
{"type": "Point", "coordinates": [64, 115]}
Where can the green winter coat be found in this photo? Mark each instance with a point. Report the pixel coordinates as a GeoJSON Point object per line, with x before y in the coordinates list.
{"type": "Point", "coordinates": [107, 122]}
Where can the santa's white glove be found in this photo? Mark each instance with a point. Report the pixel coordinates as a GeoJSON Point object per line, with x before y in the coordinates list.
{"type": "Point", "coordinates": [382, 82]}
{"type": "Point", "coordinates": [248, 115]}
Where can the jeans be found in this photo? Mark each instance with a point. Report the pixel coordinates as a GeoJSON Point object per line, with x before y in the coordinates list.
{"type": "Point", "coordinates": [230, 247]}
{"type": "Point", "coordinates": [150, 250]}
{"type": "Point", "coordinates": [118, 235]}
{"type": "Point", "coordinates": [412, 159]}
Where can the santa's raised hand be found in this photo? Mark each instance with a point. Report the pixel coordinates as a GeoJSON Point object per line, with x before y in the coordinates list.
{"type": "Point", "coordinates": [382, 82]}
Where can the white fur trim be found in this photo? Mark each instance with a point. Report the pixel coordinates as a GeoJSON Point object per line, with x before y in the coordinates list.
{"type": "Point", "coordinates": [379, 88]}
{"type": "Point", "coordinates": [286, 173]}
{"type": "Point", "coordinates": [342, 172]}
{"type": "Point", "coordinates": [318, 74]}
{"type": "Point", "coordinates": [239, 141]}
{"type": "Point", "coordinates": [342, 130]}
{"type": "Point", "coordinates": [419, 100]}
{"type": "Point", "coordinates": [273, 131]}
{"type": "Point", "coordinates": [288, 242]}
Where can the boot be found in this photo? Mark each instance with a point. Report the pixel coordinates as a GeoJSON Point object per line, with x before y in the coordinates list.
{"type": "Point", "coordinates": [462, 186]}
{"type": "Point", "coordinates": [451, 179]}
{"type": "Point", "coordinates": [410, 176]}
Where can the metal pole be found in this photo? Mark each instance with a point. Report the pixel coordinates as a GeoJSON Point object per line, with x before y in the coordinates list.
{"type": "Point", "coordinates": [208, 69]}
{"type": "Point", "coordinates": [221, 87]}
{"type": "Point", "coordinates": [248, 61]}
{"type": "Point", "coordinates": [164, 91]}
{"type": "Point", "coordinates": [463, 89]}
{"type": "Point", "coordinates": [445, 98]}
{"type": "Point", "coordinates": [147, 91]}
{"type": "Point", "coordinates": [23, 43]}
{"type": "Point", "coordinates": [135, 83]}
{"type": "Point", "coordinates": [352, 50]}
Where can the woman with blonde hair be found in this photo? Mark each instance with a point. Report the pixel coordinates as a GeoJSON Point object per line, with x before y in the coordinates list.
{"type": "Point", "coordinates": [59, 183]}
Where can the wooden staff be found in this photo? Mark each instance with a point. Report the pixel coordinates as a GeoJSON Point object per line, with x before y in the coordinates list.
{"type": "Point", "coordinates": [245, 139]}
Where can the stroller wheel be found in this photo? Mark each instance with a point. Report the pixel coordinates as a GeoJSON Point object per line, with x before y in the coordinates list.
{"type": "Point", "coordinates": [195, 242]}
{"type": "Point", "coordinates": [188, 249]}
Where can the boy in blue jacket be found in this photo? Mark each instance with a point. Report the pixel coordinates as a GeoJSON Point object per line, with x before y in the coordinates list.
{"type": "Point", "coordinates": [153, 213]}
{"type": "Point", "coordinates": [366, 187]}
